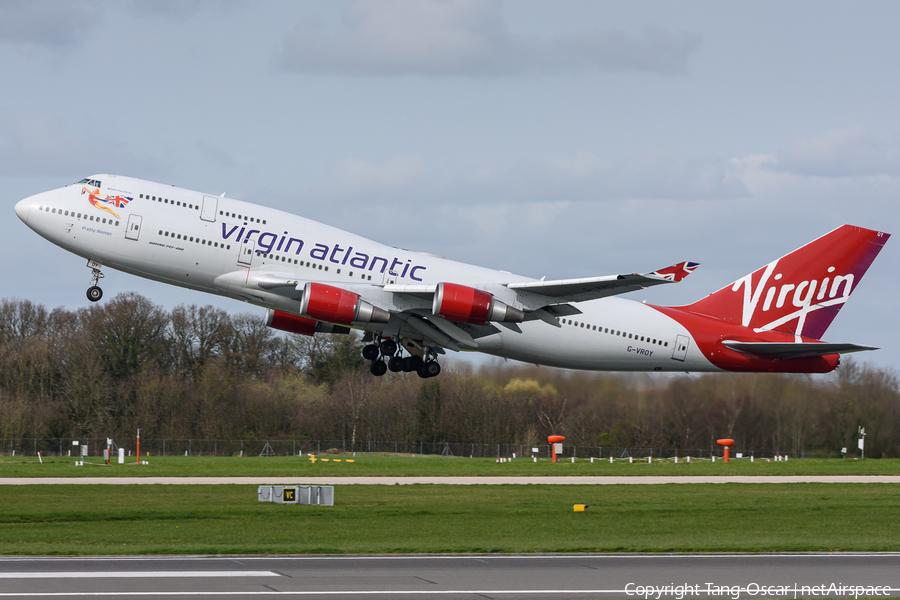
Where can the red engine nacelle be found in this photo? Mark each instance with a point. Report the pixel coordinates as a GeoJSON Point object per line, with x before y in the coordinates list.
{"type": "Point", "coordinates": [336, 305]}
{"type": "Point", "coordinates": [296, 324]}
{"type": "Point", "coordinates": [469, 305]}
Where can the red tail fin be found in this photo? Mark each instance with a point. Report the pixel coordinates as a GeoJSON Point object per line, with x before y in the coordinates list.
{"type": "Point", "coordinates": [802, 292]}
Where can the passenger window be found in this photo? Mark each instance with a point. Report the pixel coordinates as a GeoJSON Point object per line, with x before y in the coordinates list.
{"type": "Point", "coordinates": [264, 221]}
{"type": "Point", "coordinates": [160, 232]}
{"type": "Point", "coordinates": [228, 247]}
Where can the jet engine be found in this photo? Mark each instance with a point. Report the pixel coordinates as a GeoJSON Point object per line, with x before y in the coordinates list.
{"type": "Point", "coordinates": [296, 324]}
{"type": "Point", "coordinates": [335, 305]}
{"type": "Point", "coordinates": [468, 305]}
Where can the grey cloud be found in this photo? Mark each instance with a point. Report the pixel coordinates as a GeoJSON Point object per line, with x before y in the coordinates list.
{"type": "Point", "coordinates": [467, 38]}
{"type": "Point", "coordinates": [584, 177]}
{"type": "Point", "coordinates": [40, 143]}
{"type": "Point", "coordinates": [181, 9]}
{"type": "Point", "coordinates": [848, 152]}
{"type": "Point", "coordinates": [47, 23]}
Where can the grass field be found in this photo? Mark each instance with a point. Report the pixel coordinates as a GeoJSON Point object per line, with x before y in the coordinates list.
{"type": "Point", "coordinates": [435, 518]}
{"type": "Point", "coordinates": [286, 466]}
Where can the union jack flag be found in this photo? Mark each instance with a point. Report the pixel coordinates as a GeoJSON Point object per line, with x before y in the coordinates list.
{"type": "Point", "coordinates": [118, 201]}
{"type": "Point", "coordinates": [677, 272]}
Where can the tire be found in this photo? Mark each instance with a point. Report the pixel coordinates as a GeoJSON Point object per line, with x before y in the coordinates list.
{"type": "Point", "coordinates": [370, 352]}
{"type": "Point", "coordinates": [412, 363]}
{"type": "Point", "coordinates": [432, 368]}
{"type": "Point", "coordinates": [388, 347]}
{"type": "Point", "coordinates": [378, 368]}
{"type": "Point", "coordinates": [395, 364]}
{"type": "Point", "coordinates": [94, 293]}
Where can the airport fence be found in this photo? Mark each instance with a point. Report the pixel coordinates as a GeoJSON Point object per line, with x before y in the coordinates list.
{"type": "Point", "coordinates": [203, 447]}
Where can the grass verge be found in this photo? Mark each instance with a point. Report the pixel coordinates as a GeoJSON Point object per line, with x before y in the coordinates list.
{"type": "Point", "coordinates": [434, 466]}
{"type": "Point", "coordinates": [159, 519]}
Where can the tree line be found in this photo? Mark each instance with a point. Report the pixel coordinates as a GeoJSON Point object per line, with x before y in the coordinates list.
{"type": "Point", "coordinates": [198, 372]}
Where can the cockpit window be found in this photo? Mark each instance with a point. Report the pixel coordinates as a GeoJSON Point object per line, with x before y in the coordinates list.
{"type": "Point", "coordinates": [93, 182]}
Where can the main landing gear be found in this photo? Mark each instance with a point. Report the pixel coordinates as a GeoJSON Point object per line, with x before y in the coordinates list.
{"type": "Point", "coordinates": [94, 292]}
{"type": "Point", "coordinates": [377, 353]}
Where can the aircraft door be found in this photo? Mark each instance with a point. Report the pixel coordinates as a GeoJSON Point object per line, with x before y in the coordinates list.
{"type": "Point", "coordinates": [133, 227]}
{"type": "Point", "coordinates": [681, 347]}
{"type": "Point", "coordinates": [208, 211]}
{"type": "Point", "coordinates": [246, 255]}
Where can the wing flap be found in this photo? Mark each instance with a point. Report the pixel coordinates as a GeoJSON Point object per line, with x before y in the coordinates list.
{"type": "Point", "coordinates": [785, 350]}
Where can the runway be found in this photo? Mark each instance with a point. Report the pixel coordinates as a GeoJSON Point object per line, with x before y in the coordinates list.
{"type": "Point", "coordinates": [530, 577]}
{"type": "Point", "coordinates": [571, 480]}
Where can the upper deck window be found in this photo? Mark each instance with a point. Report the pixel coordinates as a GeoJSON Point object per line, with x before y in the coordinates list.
{"type": "Point", "coordinates": [93, 182]}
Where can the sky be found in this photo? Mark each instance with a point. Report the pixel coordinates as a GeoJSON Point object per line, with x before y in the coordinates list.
{"type": "Point", "coordinates": [563, 139]}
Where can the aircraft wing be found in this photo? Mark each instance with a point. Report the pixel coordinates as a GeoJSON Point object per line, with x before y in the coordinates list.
{"type": "Point", "coordinates": [591, 288]}
{"type": "Point", "coordinates": [794, 350]}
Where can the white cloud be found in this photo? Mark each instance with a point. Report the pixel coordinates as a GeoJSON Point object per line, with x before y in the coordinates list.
{"type": "Point", "coordinates": [848, 152]}
{"type": "Point", "coordinates": [47, 23]}
{"type": "Point", "coordinates": [468, 38]}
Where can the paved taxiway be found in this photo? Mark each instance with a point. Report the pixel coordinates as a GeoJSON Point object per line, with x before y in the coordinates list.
{"type": "Point", "coordinates": [574, 480]}
{"type": "Point", "coordinates": [451, 577]}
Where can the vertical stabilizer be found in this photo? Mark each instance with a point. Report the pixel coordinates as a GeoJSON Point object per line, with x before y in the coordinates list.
{"type": "Point", "coordinates": [801, 292]}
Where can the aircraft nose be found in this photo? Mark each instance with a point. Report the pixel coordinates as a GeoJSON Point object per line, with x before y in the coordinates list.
{"type": "Point", "coordinates": [23, 207]}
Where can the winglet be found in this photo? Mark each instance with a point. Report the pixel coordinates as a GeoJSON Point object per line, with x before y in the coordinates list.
{"type": "Point", "coordinates": [677, 272]}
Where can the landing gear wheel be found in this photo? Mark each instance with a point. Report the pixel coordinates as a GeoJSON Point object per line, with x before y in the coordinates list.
{"type": "Point", "coordinates": [430, 369]}
{"type": "Point", "coordinates": [395, 364]}
{"type": "Point", "coordinates": [388, 347]}
{"type": "Point", "coordinates": [370, 352]}
{"type": "Point", "coordinates": [412, 363]}
{"type": "Point", "coordinates": [378, 368]}
{"type": "Point", "coordinates": [94, 293]}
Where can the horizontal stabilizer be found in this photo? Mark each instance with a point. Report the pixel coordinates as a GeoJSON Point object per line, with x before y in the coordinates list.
{"type": "Point", "coordinates": [794, 350]}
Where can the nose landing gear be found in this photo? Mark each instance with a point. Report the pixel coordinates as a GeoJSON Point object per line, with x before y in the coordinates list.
{"type": "Point", "coordinates": [94, 293]}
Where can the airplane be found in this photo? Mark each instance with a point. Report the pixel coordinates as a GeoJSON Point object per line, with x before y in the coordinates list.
{"type": "Point", "coordinates": [414, 306]}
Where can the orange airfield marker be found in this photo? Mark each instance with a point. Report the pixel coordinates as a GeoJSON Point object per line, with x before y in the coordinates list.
{"type": "Point", "coordinates": [727, 442]}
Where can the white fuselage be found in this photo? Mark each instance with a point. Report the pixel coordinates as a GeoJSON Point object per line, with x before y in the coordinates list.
{"type": "Point", "coordinates": [229, 247]}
